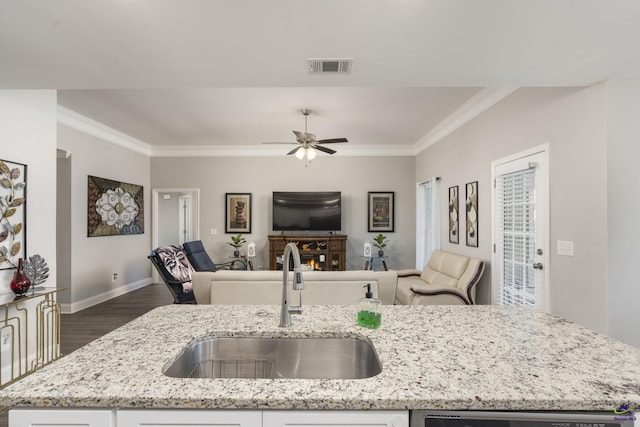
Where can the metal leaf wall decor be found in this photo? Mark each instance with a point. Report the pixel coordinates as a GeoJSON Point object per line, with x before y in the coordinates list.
{"type": "Point", "coordinates": [13, 213]}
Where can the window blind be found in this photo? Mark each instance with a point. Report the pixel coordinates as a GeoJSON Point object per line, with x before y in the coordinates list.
{"type": "Point", "coordinates": [516, 237]}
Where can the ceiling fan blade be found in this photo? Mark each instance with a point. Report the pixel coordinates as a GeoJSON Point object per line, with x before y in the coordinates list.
{"type": "Point", "coordinates": [324, 149]}
{"type": "Point", "coordinates": [294, 150]}
{"type": "Point", "coordinates": [332, 140]}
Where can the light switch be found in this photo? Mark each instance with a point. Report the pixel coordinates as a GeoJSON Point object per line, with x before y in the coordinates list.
{"type": "Point", "coordinates": [565, 247]}
{"type": "Point", "coordinates": [213, 231]}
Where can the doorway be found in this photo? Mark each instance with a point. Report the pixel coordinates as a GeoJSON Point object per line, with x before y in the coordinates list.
{"type": "Point", "coordinates": [185, 228]}
{"type": "Point", "coordinates": [167, 225]}
{"type": "Point", "coordinates": [520, 218]}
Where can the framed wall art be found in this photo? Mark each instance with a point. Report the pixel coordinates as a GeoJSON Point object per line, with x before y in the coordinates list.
{"type": "Point", "coordinates": [471, 206]}
{"type": "Point", "coordinates": [13, 213]}
{"type": "Point", "coordinates": [381, 211]}
{"type": "Point", "coordinates": [454, 223]}
{"type": "Point", "coordinates": [114, 208]}
{"type": "Point", "coordinates": [238, 213]}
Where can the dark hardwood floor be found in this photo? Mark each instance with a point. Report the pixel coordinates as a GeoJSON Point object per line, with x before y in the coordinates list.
{"type": "Point", "coordinates": [85, 326]}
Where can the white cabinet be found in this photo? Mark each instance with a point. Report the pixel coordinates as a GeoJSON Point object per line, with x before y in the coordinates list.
{"type": "Point", "coordinates": [188, 417]}
{"type": "Point", "coordinates": [61, 418]}
{"type": "Point", "coordinates": [203, 418]}
{"type": "Point", "coordinates": [335, 418]}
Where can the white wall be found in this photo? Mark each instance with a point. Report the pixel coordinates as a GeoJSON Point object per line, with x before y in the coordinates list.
{"type": "Point", "coordinates": [353, 176]}
{"type": "Point", "coordinates": [95, 259]}
{"type": "Point", "coordinates": [573, 122]}
{"type": "Point", "coordinates": [28, 135]}
{"type": "Point", "coordinates": [623, 111]}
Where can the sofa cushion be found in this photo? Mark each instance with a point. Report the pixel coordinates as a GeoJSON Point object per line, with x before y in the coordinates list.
{"type": "Point", "coordinates": [404, 295]}
{"type": "Point", "coordinates": [270, 292]}
{"type": "Point", "coordinates": [444, 269]}
{"type": "Point", "coordinates": [426, 289]}
{"type": "Point", "coordinates": [265, 287]}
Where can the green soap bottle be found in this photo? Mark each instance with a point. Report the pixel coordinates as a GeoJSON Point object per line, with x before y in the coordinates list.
{"type": "Point", "coordinates": [369, 310]}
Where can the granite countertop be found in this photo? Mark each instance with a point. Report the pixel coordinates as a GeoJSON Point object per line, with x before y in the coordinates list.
{"type": "Point", "coordinates": [433, 357]}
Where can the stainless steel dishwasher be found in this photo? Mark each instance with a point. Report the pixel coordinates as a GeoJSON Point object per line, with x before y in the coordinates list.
{"type": "Point", "coordinates": [426, 418]}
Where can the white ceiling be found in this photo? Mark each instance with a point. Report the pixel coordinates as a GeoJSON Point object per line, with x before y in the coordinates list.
{"type": "Point", "coordinates": [233, 73]}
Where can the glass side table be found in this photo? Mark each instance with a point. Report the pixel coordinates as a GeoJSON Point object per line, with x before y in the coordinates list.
{"type": "Point", "coordinates": [245, 262]}
{"type": "Point", "coordinates": [373, 259]}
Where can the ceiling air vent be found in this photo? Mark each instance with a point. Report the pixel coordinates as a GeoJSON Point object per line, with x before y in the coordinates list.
{"type": "Point", "coordinates": [330, 66]}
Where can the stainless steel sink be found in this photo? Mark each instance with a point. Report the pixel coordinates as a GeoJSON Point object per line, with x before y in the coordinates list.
{"type": "Point", "coordinates": [244, 357]}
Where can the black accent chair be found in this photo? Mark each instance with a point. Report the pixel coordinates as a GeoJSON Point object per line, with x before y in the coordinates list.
{"type": "Point", "coordinates": [199, 258]}
{"type": "Point", "coordinates": [175, 286]}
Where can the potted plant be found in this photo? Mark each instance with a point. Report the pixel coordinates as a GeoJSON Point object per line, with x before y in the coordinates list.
{"type": "Point", "coordinates": [380, 241]}
{"type": "Point", "coordinates": [237, 242]}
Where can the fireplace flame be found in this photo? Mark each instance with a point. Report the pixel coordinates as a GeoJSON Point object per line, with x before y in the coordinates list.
{"type": "Point", "coordinates": [313, 264]}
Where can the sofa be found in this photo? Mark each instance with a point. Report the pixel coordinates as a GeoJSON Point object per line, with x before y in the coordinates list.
{"type": "Point", "coordinates": [446, 279]}
{"type": "Point", "coordinates": [265, 287]}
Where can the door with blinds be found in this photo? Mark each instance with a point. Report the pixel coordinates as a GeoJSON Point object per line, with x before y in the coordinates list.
{"type": "Point", "coordinates": [520, 218]}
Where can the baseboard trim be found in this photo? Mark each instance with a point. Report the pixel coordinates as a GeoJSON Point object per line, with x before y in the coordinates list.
{"type": "Point", "coordinates": [74, 307]}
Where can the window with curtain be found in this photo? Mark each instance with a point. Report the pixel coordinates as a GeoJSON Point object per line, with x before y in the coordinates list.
{"type": "Point", "coordinates": [427, 220]}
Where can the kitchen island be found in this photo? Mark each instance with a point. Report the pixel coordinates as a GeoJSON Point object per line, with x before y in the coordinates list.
{"type": "Point", "coordinates": [432, 357]}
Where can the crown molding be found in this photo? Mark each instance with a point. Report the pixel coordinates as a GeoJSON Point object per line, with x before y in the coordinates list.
{"type": "Point", "coordinates": [275, 151]}
{"type": "Point", "coordinates": [91, 127]}
{"type": "Point", "coordinates": [476, 105]}
{"type": "Point", "coordinates": [62, 154]}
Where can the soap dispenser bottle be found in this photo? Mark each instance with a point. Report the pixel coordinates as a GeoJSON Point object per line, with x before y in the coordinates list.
{"type": "Point", "coordinates": [369, 310]}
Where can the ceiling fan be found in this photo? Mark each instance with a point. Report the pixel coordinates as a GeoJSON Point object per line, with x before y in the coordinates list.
{"type": "Point", "coordinates": [308, 142]}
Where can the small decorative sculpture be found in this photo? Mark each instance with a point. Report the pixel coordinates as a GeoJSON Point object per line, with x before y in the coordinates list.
{"type": "Point", "coordinates": [240, 213]}
{"type": "Point", "coordinates": [36, 270]}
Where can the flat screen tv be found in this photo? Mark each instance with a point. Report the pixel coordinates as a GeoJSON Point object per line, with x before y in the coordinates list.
{"type": "Point", "coordinates": [307, 211]}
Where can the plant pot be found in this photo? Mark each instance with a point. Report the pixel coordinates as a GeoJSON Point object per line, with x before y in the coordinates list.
{"type": "Point", "coordinates": [236, 253]}
{"type": "Point", "coordinates": [380, 253]}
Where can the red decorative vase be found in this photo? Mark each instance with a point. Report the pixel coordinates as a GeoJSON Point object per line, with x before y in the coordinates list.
{"type": "Point", "coordinates": [20, 283]}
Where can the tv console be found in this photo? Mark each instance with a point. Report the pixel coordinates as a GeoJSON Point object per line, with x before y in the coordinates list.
{"type": "Point", "coordinates": [319, 252]}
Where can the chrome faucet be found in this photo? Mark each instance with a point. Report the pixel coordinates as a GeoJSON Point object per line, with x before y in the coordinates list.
{"type": "Point", "coordinates": [290, 251]}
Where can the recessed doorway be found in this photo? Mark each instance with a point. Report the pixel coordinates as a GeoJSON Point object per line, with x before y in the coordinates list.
{"type": "Point", "coordinates": [175, 217]}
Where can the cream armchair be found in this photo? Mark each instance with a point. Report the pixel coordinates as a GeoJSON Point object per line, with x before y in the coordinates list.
{"type": "Point", "coordinates": [446, 279]}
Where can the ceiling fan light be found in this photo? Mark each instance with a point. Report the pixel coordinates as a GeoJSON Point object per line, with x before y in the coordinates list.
{"type": "Point", "coordinates": [300, 153]}
{"type": "Point", "coordinates": [311, 153]}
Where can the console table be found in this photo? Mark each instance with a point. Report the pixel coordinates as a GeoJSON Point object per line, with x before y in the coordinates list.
{"type": "Point", "coordinates": [22, 318]}
{"type": "Point", "coordinates": [318, 252]}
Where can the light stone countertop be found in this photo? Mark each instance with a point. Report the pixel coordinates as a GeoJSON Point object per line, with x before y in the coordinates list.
{"type": "Point", "coordinates": [433, 357]}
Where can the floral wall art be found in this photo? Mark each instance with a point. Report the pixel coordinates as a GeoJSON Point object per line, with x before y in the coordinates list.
{"type": "Point", "coordinates": [13, 213]}
{"type": "Point", "coordinates": [115, 208]}
{"type": "Point", "coordinates": [471, 205]}
{"type": "Point", "coordinates": [454, 224]}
